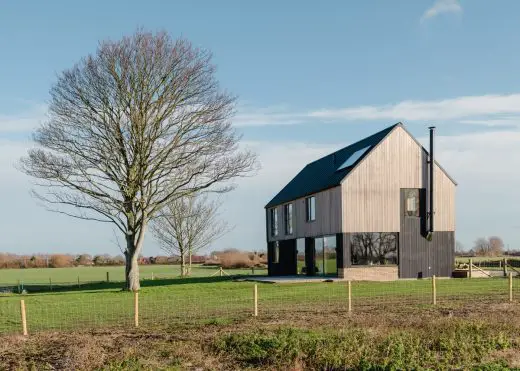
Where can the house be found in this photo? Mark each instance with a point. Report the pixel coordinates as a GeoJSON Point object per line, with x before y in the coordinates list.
{"type": "Point", "coordinates": [375, 210]}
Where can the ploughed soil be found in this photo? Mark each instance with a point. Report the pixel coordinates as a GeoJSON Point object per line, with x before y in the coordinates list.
{"type": "Point", "coordinates": [492, 332]}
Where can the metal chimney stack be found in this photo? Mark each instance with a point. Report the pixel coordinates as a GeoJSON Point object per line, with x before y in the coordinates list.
{"type": "Point", "coordinates": [431, 181]}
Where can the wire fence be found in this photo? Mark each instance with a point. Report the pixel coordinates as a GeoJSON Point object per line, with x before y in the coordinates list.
{"type": "Point", "coordinates": [185, 304]}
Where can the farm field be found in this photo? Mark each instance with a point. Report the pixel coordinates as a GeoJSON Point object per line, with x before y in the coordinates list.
{"type": "Point", "coordinates": [36, 276]}
{"type": "Point", "coordinates": [208, 298]}
{"type": "Point", "coordinates": [208, 321]}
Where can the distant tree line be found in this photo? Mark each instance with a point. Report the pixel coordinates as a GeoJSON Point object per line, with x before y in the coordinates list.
{"type": "Point", "coordinates": [490, 247]}
{"type": "Point", "coordinates": [229, 258]}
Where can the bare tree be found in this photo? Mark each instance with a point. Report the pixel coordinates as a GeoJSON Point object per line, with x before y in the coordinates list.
{"type": "Point", "coordinates": [492, 246]}
{"type": "Point", "coordinates": [459, 248]}
{"type": "Point", "coordinates": [187, 225]}
{"type": "Point", "coordinates": [138, 124]}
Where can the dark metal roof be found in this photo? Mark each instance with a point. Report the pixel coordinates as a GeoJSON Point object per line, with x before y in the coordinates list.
{"type": "Point", "coordinates": [323, 174]}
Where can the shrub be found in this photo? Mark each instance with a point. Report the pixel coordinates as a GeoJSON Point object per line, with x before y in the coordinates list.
{"type": "Point", "coordinates": [236, 259]}
{"type": "Point", "coordinates": [60, 261]}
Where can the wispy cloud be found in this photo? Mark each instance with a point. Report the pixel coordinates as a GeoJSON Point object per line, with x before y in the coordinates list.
{"type": "Point", "coordinates": [441, 7]}
{"type": "Point", "coordinates": [23, 122]}
{"type": "Point", "coordinates": [489, 110]}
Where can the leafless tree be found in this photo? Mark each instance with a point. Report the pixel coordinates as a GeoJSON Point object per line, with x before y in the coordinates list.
{"type": "Point", "coordinates": [459, 248]}
{"type": "Point", "coordinates": [492, 246]}
{"type": "Point", "coordinates": [132, 127]}
{"type": "Point", "coordinates": [187, 225]}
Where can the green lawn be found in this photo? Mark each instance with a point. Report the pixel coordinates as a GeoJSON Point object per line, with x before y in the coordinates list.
{"type": "Point", "coordinates": [33, 276]}
{"type": "Point", "coordinates": [204, 299]}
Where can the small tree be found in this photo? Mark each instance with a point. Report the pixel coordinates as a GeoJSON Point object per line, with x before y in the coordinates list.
{"type": "Point", "coordinates": [492, 246]}
{"type": "Point", "coordinates": [84, 259]}
{"type": "Point", "coordinates": [138, 124]}
{"type": "Point", "coordinates": [187, 225]}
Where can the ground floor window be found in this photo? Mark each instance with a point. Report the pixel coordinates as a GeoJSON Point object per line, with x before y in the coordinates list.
{"type": "Point", "coordinates": [373, 248]}
{"type": "Point", "coordinates": [325, 255]}
{"type": "Point", "coordinates": [275, 258]}
{"type": "Point", "coordinates": [300, 256]}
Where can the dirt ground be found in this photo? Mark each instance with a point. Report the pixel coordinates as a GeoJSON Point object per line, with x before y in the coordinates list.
{"type": "Point", "coordinates": [190, 347]}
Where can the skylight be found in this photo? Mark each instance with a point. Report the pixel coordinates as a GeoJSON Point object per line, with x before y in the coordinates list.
{"type": "Point", "coordinates": [351, 160]}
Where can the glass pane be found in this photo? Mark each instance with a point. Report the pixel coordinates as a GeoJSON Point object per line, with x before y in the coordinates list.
{"type": "Point", "coordinates": [300, 257]}
{"type": "Point", "coordinates": [351, 160]}
{"type": "Point", "coordinates": [313, 208]}
{"type": "Point", "coordinates": [318, 246]}
{"type": "Point", "coordinates": [329, 251]}
{"type": "Point", "coordinates": [371, 248]}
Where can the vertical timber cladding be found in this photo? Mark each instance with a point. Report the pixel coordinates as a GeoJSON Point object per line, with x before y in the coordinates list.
{"type": "Point", "coordinates": [328, 217]}
{"type": "Point", "coordinates": [418, 257]}
{"type": "Point", "coordinates": [286, 265]}
{"type": "Point", "coordinates": [371, 192]}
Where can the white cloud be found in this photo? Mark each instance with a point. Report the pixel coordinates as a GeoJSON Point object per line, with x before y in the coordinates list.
{"type": "Point", "coordinates": [441, 7]}
{"type": "Point", "coordinates": [482, 110]}
{"type": "Point", "coordinates": [23, 123]}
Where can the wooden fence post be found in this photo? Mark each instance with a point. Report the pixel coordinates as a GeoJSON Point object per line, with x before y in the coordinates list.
{"type": "Point", "coordinates": [510, 287]}
{"type": "Point", "coordinates": [108, 276]}
{"type": "Point", "coordinates": [221, 272]}
{"type": "Point", "coordinates": [505, 267]}
{"type": "Point", "coordinates": [50, 283]}
{"type": "Point", "coordinates": [470, 271]}
{"type": "Point", "coordinates": [152, 276]}
{"type": "Point", "coordinates": [349, 296]}
{"type": "Point", "coordinates": [19, 291]}
{"type": "Point", "coordinates": [78, 283]}
{"type": "Point", "coordinates": [255, 294]}
{"type": "Point", "coordinates": [136, 308]}
{"type": "Point", "coordinates": [434, 291]}
{"type": "Point", "coordinates": [24, 317]}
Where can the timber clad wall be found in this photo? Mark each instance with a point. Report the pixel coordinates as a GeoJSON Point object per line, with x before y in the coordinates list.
{"type": "Point", "coordinates": [371, 192]}
{"type": "Point", "coordinates": [328, 217]}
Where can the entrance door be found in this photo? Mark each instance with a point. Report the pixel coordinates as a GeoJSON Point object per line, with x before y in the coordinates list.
{"type": "Point", "coordinates": [325, 256]}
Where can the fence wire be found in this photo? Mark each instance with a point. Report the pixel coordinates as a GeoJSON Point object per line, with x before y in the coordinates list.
{"type": "Point", "coordinates": [205, 303]}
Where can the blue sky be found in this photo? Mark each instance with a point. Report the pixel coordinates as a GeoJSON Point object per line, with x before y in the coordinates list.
{"type": "Point", "coordinates": [310, 78]}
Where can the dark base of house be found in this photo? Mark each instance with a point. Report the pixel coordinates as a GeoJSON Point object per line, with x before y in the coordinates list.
{"type": "Point", "coordinates": [416, 258]}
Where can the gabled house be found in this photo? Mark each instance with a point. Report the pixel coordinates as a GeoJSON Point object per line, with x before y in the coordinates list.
{"type": "Point", "coordinates": [379, 209]}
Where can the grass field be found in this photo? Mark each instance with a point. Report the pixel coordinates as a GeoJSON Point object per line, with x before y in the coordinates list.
{"type": "Point", "coordinates": [208, 322]}
{"type": "Point", "coordinates": [96, 274]}
{"type": "Point", "coordinates": [205, 299]}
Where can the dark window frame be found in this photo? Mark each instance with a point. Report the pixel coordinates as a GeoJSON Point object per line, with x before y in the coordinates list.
{"type": "Point", "coordinates": [410, 194]}
{"type": "Point", "coordinates": [275, 258]}
{"type": "Point", "coordinates": [366, 249]}
{"type": "Point", "coordinates": [288, 218]}
{"type": "Point", "coordinates": [310, 209]}
{"type": "Point", "coordinates": [274, 221]}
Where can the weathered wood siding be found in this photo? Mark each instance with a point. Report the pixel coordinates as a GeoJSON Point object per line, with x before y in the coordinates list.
{"type": "Point", "coordinates": [371, 192]}
{"type": "Point", "coordinates": [328, 217]}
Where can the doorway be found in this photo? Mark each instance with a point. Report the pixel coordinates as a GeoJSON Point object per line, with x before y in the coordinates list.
{"type": "Point", "coordinates": [325, 256]}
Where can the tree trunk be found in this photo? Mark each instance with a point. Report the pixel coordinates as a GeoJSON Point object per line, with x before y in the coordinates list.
{"type": "Point", "coordinates": [183, 265]}
{"type": "Point", "coordinates": [133, 249]}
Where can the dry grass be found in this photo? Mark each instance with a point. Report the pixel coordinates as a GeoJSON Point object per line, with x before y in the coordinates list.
{"type": "Point", "coordinates": [192, 347]}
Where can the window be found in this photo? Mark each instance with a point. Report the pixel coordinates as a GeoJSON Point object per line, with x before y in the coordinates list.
{"type": "Point", "coordinates": [412, 202]}
{"type": "Point", "coordinates": [288, 218]}
{"type": "Point", "coordinates": [275, 258]}
{"type": "Point", "coordinates": [373, 248]}
{"type": "Point", "coordinates": [310, 206]}
{"type": "Point", "coordinates": [274, 222]}
{"type": "Point", "coordinates": [352, 159]}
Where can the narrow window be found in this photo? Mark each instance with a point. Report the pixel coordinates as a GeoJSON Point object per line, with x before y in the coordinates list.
{"type": "Point", "coordinates": [276, 253]}
{"type": "Point", "coordinates": [310, 206]}
{"type": "Point", "coordinates": [412, 202]}
{"type": "Point", "coordinates": [274, 222]}
{"type": "Point", "coordinates": [288, 218]}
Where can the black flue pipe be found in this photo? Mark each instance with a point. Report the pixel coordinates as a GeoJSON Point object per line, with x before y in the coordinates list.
{"type": "Point", "coordinates": [432, 164]}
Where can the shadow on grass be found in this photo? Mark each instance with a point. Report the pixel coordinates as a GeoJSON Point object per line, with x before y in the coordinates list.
{"type": "Point", "coordinates": [96, 286]}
